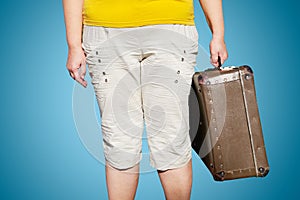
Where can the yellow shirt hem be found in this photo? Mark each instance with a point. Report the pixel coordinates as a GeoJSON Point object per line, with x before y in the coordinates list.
{"type": "Point", "coordinates": [137, 23]}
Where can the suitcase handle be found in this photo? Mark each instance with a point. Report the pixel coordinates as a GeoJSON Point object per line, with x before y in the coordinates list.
{"type": "Point", "coordinates": [219, 62]}
{"type": "Point", "coordinates": [216, 68]}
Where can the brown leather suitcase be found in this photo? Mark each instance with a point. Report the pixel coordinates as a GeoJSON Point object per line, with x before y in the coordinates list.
{"type": "Point", "coordinates": [229, 138]}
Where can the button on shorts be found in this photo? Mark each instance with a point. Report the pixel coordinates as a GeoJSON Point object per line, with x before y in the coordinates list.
{"type": "Point", "coordinates": [142, 79]}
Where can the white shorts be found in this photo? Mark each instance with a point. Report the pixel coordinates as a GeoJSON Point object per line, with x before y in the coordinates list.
{"type": "Point", "coordinates": [143, 75]}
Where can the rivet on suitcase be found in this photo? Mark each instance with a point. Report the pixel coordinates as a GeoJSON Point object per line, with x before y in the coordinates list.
{"type": "Point", "coordinates": [229, 139]}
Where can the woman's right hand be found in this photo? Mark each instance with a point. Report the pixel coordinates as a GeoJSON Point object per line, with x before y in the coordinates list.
{"type": "Point", "coordinates": [76, 65]}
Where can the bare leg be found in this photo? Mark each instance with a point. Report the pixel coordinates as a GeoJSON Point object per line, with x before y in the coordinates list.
{"type": "Point", "coordinates": [122, 184]}
{"type": "Point", "coordinates": [177, 183]}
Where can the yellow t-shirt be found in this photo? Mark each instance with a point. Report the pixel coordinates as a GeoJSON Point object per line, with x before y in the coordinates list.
{"type": "Point", "coordinates": [132, 13]}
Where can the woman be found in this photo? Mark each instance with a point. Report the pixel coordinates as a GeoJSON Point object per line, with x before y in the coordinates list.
{"type": "Point", "coordinates": [146, 49]}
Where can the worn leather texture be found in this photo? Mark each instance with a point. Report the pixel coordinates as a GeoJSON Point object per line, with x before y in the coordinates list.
{"type": "Point", "coordinates": [229, 139]}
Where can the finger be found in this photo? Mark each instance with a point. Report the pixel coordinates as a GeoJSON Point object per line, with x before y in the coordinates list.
{"type": "Point", "coordinates": [216, 64]}
{"type": "Point", "coordinates": [83, 83]}
{"type": "Point", "coordinates": [79, 79]}
{"type": "Point", "coordinates": [72, 74]}
{"type": "Point", "coordinates": [214, 61]}
{"type": "Point", "coordinates": [214, 57]}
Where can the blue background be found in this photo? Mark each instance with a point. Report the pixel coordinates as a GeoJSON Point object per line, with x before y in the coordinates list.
{"type": "Point", "coordinates": [41, 154]}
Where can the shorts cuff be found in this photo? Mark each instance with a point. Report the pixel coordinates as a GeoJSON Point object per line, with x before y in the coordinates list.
{"type": "Point", "coordinates": [126, 164]}
{"type": "Point", "coordinates": [180, 162]}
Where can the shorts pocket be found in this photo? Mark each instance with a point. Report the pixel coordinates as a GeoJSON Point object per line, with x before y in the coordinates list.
{"type": "Point", "coordinates": [92, 38]}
